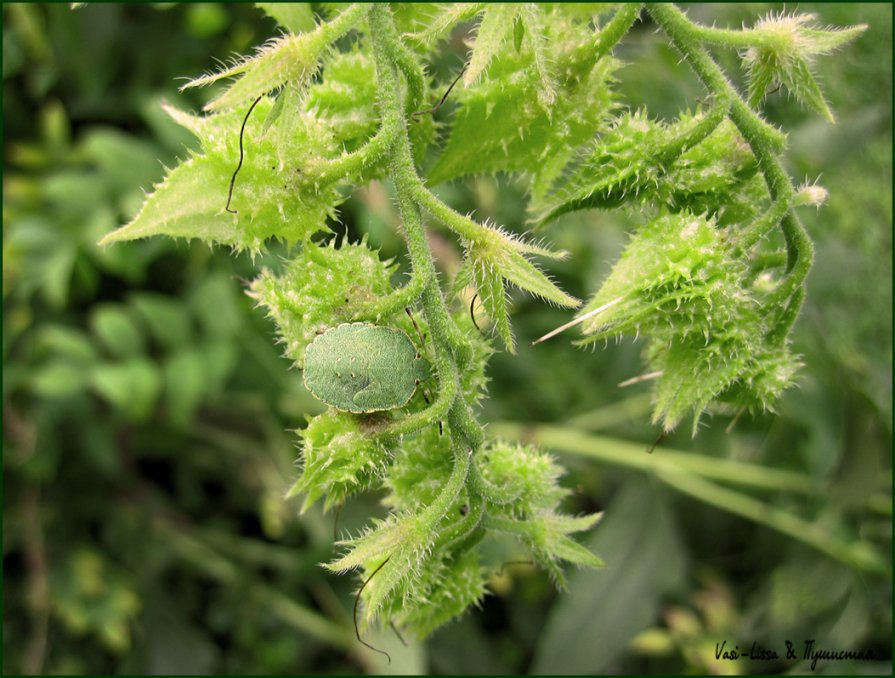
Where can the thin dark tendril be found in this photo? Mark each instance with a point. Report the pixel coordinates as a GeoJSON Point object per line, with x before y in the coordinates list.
{"type": "Point", "coordinates": [472, 312]}
{"type": "Point", "coordinates": [418, 114]}
{"type": "Point", "coordinates": [513, 562]}
{"type": "Point", "coordinates": [658, 440]}
{"type": "Point", "coordinates": [397, 633]}
{"type": "Point", "coordinates": [239, 166]}
{"type": "Point", "coordinates": [356, 601]}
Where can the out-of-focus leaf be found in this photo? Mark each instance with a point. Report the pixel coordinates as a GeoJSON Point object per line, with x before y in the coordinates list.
{"type": "Point", "coordinates": [117, 330]}
{"type": "Point", "coordinates": [66, 342]}
{"type": "Point", "coordinates": [126, 163]}
{"type": "Point", "coordinates": [185, 384]}
{"type": "Point", "coordinates": [58, 378]}
{"type": "Point", "coordinates": [215, 304]}
{"type": "Point", "coordinates": [167, 318]}
{"type": "Point", "coordinates": [205, 19]}
{"type": "Point", "coordinates": [131, 386]}
{"type": "Point", "coordinates": [589, 629]}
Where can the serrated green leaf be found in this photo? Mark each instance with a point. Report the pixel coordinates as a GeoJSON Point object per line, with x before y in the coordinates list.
{"type": "Point", "coordinates": [799, 80]}
{"type": "Point", "coordinates": [545, 533]}
{"type": "Point", "coordinates": [503, 122]}
{"type": "Point", "coordinates": [783, 50]}
{"type": "Point", "coordinates": [289, 58]}
{"type": "Point", "coordinates": [493, 30]}
{"type": "Point", "coordinates": [270, 200]}
{"type": "Point", "coordinates": [346, 98]}
{"type": "Point", "coordinates": [452, 14]}
{"type": "Point", "coordinates": [319, 288]}
{"type": "Point", "coordinates": [489, 286]}
{"type": "Point", "coordinates": [525, 275]}
{"type": "Point", "coordinates": [532, 18]}
{"type": "Point", "coordinates": [447, 588]}
{"type": "Point", "coordinates": [762, 71]}
{"type": "Point", "coordinates": [401, 540]}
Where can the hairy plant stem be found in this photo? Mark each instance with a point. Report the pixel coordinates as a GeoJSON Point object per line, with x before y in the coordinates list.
{"type": "Point", "coordinates": [616, 28]}
{"type": "Point", "coordinates": [766, 143]}
{"type": "Point", "coordinates": [465, 430]}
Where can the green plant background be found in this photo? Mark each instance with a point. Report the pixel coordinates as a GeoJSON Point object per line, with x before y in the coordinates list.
{"type": "Point", "coordinates": [148, 414]}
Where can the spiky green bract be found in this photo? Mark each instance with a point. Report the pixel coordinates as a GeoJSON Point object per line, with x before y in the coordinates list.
{"type": "Point", "coordinates": [272, 200]}
{"type": "Point", "coordinates": [784, 48]}
{"type": "Point", "coordinates": [528, 112]}
{"type": "Point", "coordinates": [448, 585]}
{"type": "Point", "coordinates": [340, 458]}
{"type": "Point", "coordinates": [320, 288]}
{"type": "Point", "coordinates": [521, 488]}
{"type": "Point", "coordinates": [448, 580]}
{"type": "Point", "coordinates": [679, 284]}
{"type": "Point", "coordinates": [288, 58]}
{"type": "Point", "coordinates": [640, 161]}
{"type": "Point", "coordinates": [736, 366]}
{"type": "Point", "coordinates": [346, 97]}
{"type": "Point", "coordinates": [471, 368]}
{"type": "Point", "coordinates": [524, 480]}
{"type": "Point", "coordinates": [495, 257]}
{"type": "Point", "coordinates": [406, 540]}
{"type": "Point", "coordinates": [440, 25]}
{"type": "Point", "coordinates": [718, 176]}
{"type": "Point", "coordinates": [440, 575]}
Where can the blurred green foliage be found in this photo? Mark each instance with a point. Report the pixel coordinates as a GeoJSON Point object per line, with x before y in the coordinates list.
{"type": "Point", "coordinates": [148, 414]}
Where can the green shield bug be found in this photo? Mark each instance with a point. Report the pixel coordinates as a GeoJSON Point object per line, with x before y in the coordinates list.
{"type": "Point", "coordinates": [360, 368]}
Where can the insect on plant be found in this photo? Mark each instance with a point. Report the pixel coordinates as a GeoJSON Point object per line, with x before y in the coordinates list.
{"type": "Point", "coordinates": [362, 368]}
{"type": "Point", "coordinates": [709, 189]}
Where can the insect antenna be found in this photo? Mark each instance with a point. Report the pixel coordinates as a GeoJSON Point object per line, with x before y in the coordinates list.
{"type": "Point", "coordinates": [418, 114]}
{"type": "Point", "coordinates": [239, 166]}
{"type": "Point", "coordinates": [416, 327]}
{"type": "Point", "coordinates": [357, 600]}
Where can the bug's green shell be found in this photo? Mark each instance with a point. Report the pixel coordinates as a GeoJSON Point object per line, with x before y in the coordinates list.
{"type": "Point", "coordinates": [361, 368]}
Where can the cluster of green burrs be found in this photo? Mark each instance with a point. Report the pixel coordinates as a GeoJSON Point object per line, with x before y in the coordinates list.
{"type": "Point", "coordinates": [340, 103]}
